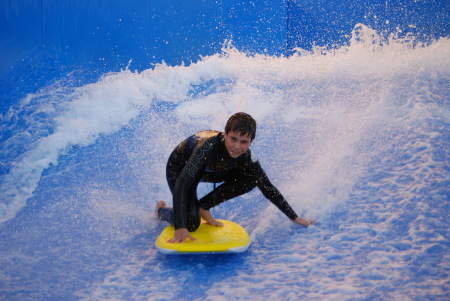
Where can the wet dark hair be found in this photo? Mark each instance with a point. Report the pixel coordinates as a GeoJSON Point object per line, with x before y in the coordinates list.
{"type": "Point", "coordinates": [242, 123]}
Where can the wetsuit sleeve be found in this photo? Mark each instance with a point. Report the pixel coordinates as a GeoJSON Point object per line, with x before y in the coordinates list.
{"type": "Point", "coordinates": [271, 192]}
{"type": "Point", "coordinates": [190, 173]}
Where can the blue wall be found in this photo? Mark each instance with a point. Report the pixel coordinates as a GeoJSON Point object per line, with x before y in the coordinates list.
{"type": "Point", "coordinates": [42, 39]}
{"type": "Point", "coordinates": [330, 22]}
{"type": "Point", "coordinates": [108, 33]}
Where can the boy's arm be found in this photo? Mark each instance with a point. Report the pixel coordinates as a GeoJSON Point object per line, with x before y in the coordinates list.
{"type": "Point", "coordinates": [275, 196]}
{"type": "Point", "coordinates": [188, 175]}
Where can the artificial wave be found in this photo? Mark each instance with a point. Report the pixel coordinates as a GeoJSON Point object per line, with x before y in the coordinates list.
{"type": "Point", "coordinates": [356, 137]}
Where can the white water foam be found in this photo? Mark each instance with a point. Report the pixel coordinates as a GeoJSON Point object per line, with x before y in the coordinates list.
{"type": "Point", "coordinates": [321, 105]}
{"type": "Point", "coordinates": [351, 137]}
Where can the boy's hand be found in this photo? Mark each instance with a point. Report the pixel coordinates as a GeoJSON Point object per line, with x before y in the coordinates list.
{"type": "Point", "coordinates": [304, 221]}
{"type": "Point", "coordinates": [181, 235]}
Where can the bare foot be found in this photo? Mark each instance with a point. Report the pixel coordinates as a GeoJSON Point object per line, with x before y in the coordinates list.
{"type": "Point", "coordinates": [207, 216]}
{"type": "Point", "coordinates": [159, 205]}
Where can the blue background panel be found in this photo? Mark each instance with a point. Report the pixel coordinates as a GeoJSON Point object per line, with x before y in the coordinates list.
{"type": "Point", "coordinates": [330, 22]}
{"type": "Point", "coordinates": [20, 31]}
{"type": "Point", "coordinates": [40, 40]}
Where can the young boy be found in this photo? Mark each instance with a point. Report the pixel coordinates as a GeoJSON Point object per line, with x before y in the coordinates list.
{"type": "Point", "coordinates": [212, 156]}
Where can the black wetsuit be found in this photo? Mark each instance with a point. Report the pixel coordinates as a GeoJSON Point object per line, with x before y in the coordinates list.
{"type": "Point", "coordinates": [204, 158]}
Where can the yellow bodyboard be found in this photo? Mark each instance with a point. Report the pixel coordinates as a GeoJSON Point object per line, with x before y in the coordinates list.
{"type": "Point", "coordinates": [231, 238]}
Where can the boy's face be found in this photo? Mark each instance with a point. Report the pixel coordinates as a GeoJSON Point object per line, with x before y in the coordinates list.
{"type": "Point", "coordinates": [236, 144]}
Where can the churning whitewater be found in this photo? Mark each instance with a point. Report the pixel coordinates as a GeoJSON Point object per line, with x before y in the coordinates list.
{"type": "Point", "coordinates": [356, 137]}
